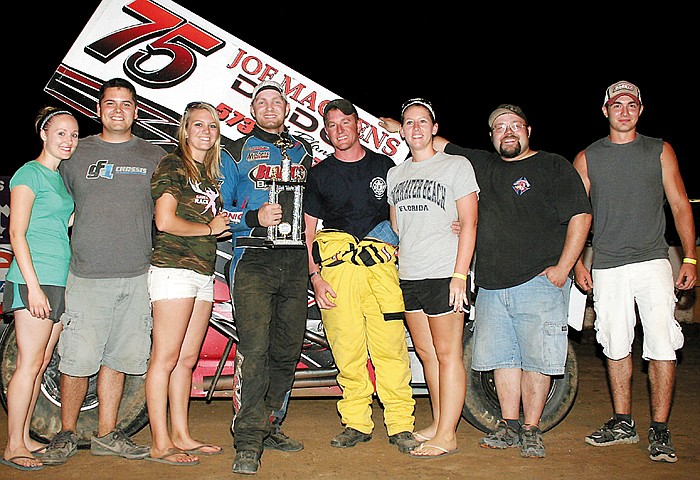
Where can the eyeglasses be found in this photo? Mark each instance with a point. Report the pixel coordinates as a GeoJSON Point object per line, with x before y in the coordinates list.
{"type": "Point", "coordinates": [515, 127]}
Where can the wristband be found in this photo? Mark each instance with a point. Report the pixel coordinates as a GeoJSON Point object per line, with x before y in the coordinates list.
{"type": "Point", "coordinates": [210, 231]}
{"type": "Point", "coordinates": [691, 261]}
{"type": "Point", "coordinates": [461, 276]}
{"type": "Point", "coordinates": [311, 275]}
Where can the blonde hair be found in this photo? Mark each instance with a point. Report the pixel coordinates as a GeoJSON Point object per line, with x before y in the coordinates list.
{"type": "Point", "coordinates": [212, 159]}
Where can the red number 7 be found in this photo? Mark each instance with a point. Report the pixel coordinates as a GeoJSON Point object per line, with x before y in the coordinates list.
{"type": "Point", "coordinates": [174, 37]}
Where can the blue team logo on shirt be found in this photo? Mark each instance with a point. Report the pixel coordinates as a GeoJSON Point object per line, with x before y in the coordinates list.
{"type": "Point", "coordinates": [521, 185]}
{"type": "Point", "coordinates": [101, 168]}
{"type": "Point", "coordinates": [104, 169]}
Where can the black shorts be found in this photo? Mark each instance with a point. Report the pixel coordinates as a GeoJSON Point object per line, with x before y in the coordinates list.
{"type": "Point", "coordinates": [15, 297]}
{"type": "Point", "coordinates": [431, 296]}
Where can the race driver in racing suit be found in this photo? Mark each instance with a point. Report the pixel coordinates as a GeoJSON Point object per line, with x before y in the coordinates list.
{"type": "Point", "coordinates": [268, 283]}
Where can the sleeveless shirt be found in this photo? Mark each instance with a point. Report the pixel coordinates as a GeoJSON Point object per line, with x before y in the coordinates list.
{"type": "Point", "coordinates": [627, 196]}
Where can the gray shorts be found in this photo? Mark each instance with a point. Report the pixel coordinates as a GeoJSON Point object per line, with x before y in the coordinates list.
{"type": "Point", "coordinates": [107, 322]}
{"type": "Point", "coordinates": [16, 297]}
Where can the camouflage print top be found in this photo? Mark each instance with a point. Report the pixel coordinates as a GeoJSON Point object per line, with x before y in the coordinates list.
{"type": "Point", "coordinates": [197, 202]}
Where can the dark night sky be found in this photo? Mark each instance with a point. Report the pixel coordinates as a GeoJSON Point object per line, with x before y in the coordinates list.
{"type": "Point", "coordinates": [465, 63]}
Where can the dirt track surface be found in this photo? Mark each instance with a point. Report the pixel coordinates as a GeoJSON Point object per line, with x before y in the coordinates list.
{"type": "Point", "coordinates": [315, 422]}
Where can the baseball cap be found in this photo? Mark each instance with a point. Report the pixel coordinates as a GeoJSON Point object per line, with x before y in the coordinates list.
{"type": "Point", "coordinates": [269, 85]}
{"type": "Point", "coordinates": [504, 108]}
{"type": "Point", "coordinates": [341, 104]}
{"type": "Point", "coordinates": [618, 89]}
{"type": "Point", "coordinates": [418, 101]}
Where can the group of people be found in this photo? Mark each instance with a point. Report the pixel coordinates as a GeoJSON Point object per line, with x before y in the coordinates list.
{"type": "Point", "coordinates": [117, 299]}
{"type": "Point", "coordinates": [399, 245]}
{"type": "Point", "coordinates": [535, 214]}
{"type": "Point", "coordinates": [533, 221]}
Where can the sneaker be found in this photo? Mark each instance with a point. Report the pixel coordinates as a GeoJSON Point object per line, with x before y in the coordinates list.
{"type": "Point", "coordinates": [349, 438]}
{"type": "Point", "coordinates": [279, 441]}
{"type": "Point", "coordinates": [405, 441]}
{"type": "Point", "coordinates": [613, 433]}
{"type": "Point", "coordinates": [531, 444]}
{"type": "Point", "coordinates": [246, 462]}
{"type": "Point", "coordinates": [63, 446]}
{"type": "Point", "coordinates": [118, 443]}
{"type": "Point", "coordinates": [504, 436]}
{"type": "Point", "coordinates": [660, 446]}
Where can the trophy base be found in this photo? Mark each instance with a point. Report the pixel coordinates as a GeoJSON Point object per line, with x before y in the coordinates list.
{"type": "Point", "coordinates": [268, 243]}
{"type": "Point", "coordinates": [281, 243]}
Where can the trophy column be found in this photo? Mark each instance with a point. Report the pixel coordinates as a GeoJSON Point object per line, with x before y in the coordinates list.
{"type": "Point", "coordinates": [288, 191]}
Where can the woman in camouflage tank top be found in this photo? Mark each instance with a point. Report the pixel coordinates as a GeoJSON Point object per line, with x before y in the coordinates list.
{"type": "Point", "coordinates": [189, 218]}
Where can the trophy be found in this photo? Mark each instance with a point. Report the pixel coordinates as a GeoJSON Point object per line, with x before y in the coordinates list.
{"type": "Point", "coordinates": [287, 189]}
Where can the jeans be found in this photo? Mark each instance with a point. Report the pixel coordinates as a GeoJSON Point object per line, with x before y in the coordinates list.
{"type": "Point", "coordinates": [524, 326]}
{"type": "Point", "coordinates": [269, 293]}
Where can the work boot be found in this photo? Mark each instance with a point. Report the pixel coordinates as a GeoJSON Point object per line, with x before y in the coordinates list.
{"type": "Point", "coordinates": [405, 441]}
{"type": "Point", "coordinates": [349, 438]}
{"type": "Point", "coordinates": [246, 462]}
{"type": "Point", "coordinates": [279, 441]}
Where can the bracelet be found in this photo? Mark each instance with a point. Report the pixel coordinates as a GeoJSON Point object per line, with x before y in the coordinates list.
{"type": "Point", "coordinates": [461, 276]}
{"type": "Point", "coordinates": [691, 261]}
{"type": "Point", "coordinates": [210, 231]}
{"type": "Point", "coordinates": [311, 275]}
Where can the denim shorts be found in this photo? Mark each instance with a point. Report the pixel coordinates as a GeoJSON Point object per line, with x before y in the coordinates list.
{"type": "Point", "coordinates": [170, 283]}
{"type": "Point", "coordinates": [107, 322]}
{"type": "Point", "coordinates": [648, 285]}
{"type": "Point", "coordinates": [522, 327]}
{"type": "Point", "coordinates": [430, 296]}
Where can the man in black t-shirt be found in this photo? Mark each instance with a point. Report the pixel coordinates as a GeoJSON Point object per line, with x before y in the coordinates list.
{"type": "Point", "coordinates": [352, 264]}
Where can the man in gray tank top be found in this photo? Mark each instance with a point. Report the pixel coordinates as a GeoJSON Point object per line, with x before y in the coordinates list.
{"type": "Point", "coordinates": [627, 176]}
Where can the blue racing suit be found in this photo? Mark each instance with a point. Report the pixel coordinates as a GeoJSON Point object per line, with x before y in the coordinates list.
{"type": "Point", "coordinates": [268, 287]}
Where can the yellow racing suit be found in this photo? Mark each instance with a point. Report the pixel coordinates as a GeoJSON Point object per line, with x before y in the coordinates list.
{"type": "Point", "coordinates": [367, 319]}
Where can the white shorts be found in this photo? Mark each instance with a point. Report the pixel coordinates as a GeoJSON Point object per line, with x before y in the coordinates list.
{"type": "Point", "coordinates": [170, 283]}
{"type": "Point", "coordinates": [650, 286]}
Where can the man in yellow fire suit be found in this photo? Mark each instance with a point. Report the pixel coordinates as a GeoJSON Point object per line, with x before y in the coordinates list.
{"type": "Point", "coordinates": [352, 264]}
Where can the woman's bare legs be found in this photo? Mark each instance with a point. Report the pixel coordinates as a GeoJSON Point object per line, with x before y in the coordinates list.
{"type": "Point", "coordinates": [422, 339]}
{"type": "Point", "coordinates": [181, 381]}
{"type": "Point", "coordinates": [170, 323]}
{"type": "Point", "coordinates": [446, 333]}
{"type": "Point", "coordinates": [36, 339]}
